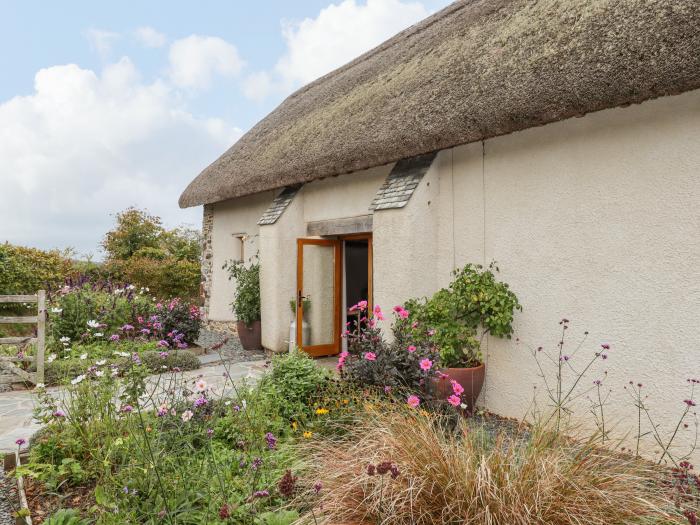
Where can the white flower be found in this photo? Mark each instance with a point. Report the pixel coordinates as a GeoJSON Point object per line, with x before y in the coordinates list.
{"type": "Point", "coordinates": [64, 339]}
{"type": "Point", "coordinates": [117, 291]}
{"type": "Point", "coordinates": [83, 356]}
{"type": "Point", "coordinates": [463, 406]}
{"type": "Point", "coordinates": [148, 289]}
{"type": "Point", "coordinates": [56, 310]}
{"type": "Point", "coordinates": [121, 354]}
{"type": "Point", "coordinates": [40, 385]}
{"type": "Point", "coordinates": [187, 415]}
{"type": "Point", "coordinates": [98, 334]}
{"type": "Point", "coordinates": [131, 287]}
{"type": "Point", "coordinates": [200, 385]}
{"type": "Point", "coordinates": [115, 371]}
{"type": "Point", "coordinates": [51, 358]}
{"type": "Point", "coordinates": [101, 362]}
{"type": "Point", "coordinates": [100, 373]}
{"type": "Point", "coordinates": [244, 404]}
{"type": "Point", "coordinates": [93, 324]}
{"type": "Point", "coordinates": [227, 403]}
{"type": "Point", "coordinates": [77, 380]}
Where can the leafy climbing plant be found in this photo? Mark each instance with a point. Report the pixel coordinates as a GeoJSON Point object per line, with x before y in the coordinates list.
{"type": "Point", "coordinates": [246, 298]}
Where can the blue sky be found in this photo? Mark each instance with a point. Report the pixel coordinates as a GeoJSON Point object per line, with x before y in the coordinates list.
{"type": "Point", "coordinates": [106, 105]}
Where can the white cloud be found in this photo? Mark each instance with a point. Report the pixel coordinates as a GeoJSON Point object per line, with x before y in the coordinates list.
{"type": "Point", "coordinates": [196, 59]}
{"type": "Point", "coordinates": [101, 41]}
{"type": "Point", "coordinates": [149, 37]}
{"type": "Point", "coordinates": [340, 33]}
{"type": "Point", "coordinates": [85, 145]}
{"type": "Point", "coordinates": [257, 86]}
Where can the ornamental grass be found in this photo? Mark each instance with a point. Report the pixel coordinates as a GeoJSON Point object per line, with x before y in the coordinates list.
{"type": "Point", "coordinates": [404, 466]}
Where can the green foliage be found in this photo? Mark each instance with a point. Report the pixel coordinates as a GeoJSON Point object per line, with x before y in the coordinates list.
{"type": "Point", "coordinates": [112, 307]}
{"type": "Point", "coordinates": [280, 517]}
{"type": "Point", "coordinates": [451, 319]}
{"type": "Point", "coordinates": [142, 252]}
{"type": "Point", "coordinates": [292, 383]}
{"type": "Point", "coordinates": [135, 230]}
{"type": "Point", "coordinates": [66, 517]}
{"type": "Point", "coordinates": [246, 298]}
{"type": "Point", "coordinates": [26, 270]}
{"type": "Point", "coordinates": [181, 359]}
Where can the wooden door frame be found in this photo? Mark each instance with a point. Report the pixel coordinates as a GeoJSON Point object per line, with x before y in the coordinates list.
{"type": "Point", "coordinates": [334, 347]}
{"type": "Point", "coordinates": [370, 262]}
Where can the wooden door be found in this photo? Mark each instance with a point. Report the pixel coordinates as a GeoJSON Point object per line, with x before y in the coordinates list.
{"type": "Point", "coordinates": [319, 285]}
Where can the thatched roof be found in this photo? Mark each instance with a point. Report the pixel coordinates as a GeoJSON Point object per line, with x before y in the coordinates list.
{"type": "Point", "coordinates": [476, 69]}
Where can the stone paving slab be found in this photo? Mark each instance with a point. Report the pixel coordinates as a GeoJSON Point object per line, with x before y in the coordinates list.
{"type": "Point", "coordinates": [16, 408]}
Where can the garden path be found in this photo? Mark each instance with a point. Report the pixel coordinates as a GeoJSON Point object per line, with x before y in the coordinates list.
{"type": "Point", "coordinates": [16, 407]}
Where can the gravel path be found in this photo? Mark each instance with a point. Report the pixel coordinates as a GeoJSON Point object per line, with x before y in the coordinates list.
{"type": "Point", "coordinates": [232, 350]}
{"type": "Point", "coordinates": [8, 497]}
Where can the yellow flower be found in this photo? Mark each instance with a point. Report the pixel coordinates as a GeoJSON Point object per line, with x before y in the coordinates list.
{"type": "Point", "coordinates": [345, 401]}
{"type": "Point", "coordinates": [308, 434]}
{"type": "Point", "coordinates": [321, 411]}
{"type": "Point", "coordinates": [294, 425]}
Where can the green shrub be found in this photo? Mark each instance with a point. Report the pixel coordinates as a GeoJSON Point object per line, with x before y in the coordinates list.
{"type": "Point", "coordinates": [165, 277]}
{"type": "Point", "coordinates": [26, 270]}
{"type": "Point", "coordinates": [474, 300]}
{"type": "Point", "coordinates": [182, 359]}
{"type": "Point", "coordinates": [246, 298]}
{"type": "Point", "coordinates": [293, 383]}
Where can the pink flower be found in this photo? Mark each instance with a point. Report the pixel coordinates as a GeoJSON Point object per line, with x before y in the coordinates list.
{"type": "Point", "coordinates": [454, 400]}
{"type": "Point", "coordinates": [341, 363]}
{"type": "Point", "coordinates": [371, 356]}
{"type": "Point", "coordinates": [431, 332]}
{"type": "Point", "coordinates": [414, 324]}
{"type": "Point", "coordinates": [457, 388]}
{"type": "Point", "coordinates": [413, 401]}
{"type": "Point", "coordinates": [378, 313]}
{"type": "Point", "coordinates": [411, 348]}
{"type": "Point", "coordinates": [426, 364]}
{"type": "Point", "coordinates": [401, 311]}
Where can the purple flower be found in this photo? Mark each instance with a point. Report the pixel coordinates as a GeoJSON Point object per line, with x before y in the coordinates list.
{"type": "Point", "coordinates": [317, 487]}
{"type": "Point", "coordinates": [690, 402]}
{"type": "Point", "coordinates": [210, 432]}
{"type": "Point", "coordinates": [145, 331]}
{"type": "Point", "coordinates": [163, 343]}
{"type": "Point", "coordinates": [605, 346]}
{"type": "Point", "coordinates": [127, 327]}
{"type": "Point", "coordinates": [20, 442]}
{"type": "Point", "coordinates": [59, 413]}
{"type": "Point", "coordinates": [597, 382]}
{"type": "Point", "coordinates": [114, 337]}
{"type": "Point", "coordinates": [271, 440]}
{"type": "Point", "coordinates": [164, 354]}
{"type": "Point", "coordinates": [261, 494]}
{"type": "Point", "coordinates": [257, 463]}
{"type": "Point", "coordinates": [135, 358]}
{"type": "Point", "coordinates": [201, 401]}
{"type": "Point", "coordinates": [127, 409]}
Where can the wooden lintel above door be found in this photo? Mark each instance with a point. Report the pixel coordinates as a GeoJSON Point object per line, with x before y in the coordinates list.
{"type": "Point", "coordinates": [346, 226]}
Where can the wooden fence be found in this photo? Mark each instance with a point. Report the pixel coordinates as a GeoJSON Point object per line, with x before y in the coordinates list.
{"type": "Point", "coordinates": [7, 363]}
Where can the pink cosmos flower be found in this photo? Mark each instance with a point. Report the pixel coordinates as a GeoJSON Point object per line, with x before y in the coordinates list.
{"type": "Point", "coordinates": [200, 385]}
{"type": "Point", "coordinates": [426, 364]}
{"type": "Point", "coordinates": [457, 388]}
{"type": "Point", "coordinates": [378, 313]}
{"type": "Point", "coordinates": [431, 332]}
{"type": "Point", "coordinates": [411, 348]}
{"type": "Point", "coordinates": [454, 400]}
{"type": "Point", "coordinates": [371, 356]}
{"type": "Point", "coordinates": [413, 401]}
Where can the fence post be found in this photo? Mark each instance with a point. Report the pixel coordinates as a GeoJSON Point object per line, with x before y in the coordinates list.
{"type": "Point", "coordinates": [40, 335]}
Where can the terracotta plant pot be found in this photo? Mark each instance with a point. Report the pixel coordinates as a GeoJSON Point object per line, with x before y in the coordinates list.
{"type": "Point", "coordinates": [250, 335]}
{"type": "Point", "coordinates": [472, 379]}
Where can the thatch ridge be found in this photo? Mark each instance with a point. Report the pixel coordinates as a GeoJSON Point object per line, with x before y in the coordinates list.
{"type": "Point", "coordinates": [475, 70]}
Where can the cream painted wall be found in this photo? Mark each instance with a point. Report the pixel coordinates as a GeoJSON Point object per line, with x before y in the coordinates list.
{"type": "Point", "coordinates": [232, 217]}
{"type": "Point", "coordinates": [593, 219]}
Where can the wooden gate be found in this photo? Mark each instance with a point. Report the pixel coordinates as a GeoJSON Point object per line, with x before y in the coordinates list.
{"type": "Point", "coordinates": [8, 362]}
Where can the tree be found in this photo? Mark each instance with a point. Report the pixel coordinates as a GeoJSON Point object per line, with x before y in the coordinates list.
{"type": "Point", "coordinates": [135, 230]}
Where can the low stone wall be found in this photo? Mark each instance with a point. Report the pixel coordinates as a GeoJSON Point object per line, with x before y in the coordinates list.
{"type": "Point", "coordinates": [224, 327]}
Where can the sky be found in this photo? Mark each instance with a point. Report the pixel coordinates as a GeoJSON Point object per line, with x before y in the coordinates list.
{"type": "Point", "coordinates": [109, 105]}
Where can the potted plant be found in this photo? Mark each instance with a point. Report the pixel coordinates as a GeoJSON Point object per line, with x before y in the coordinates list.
{"type": "Point", "coordinates": [246, 302]}
{"type": "Point", "coordinates": [457, 319]}
{"type": "Point", "coordinates": [305, 327]}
